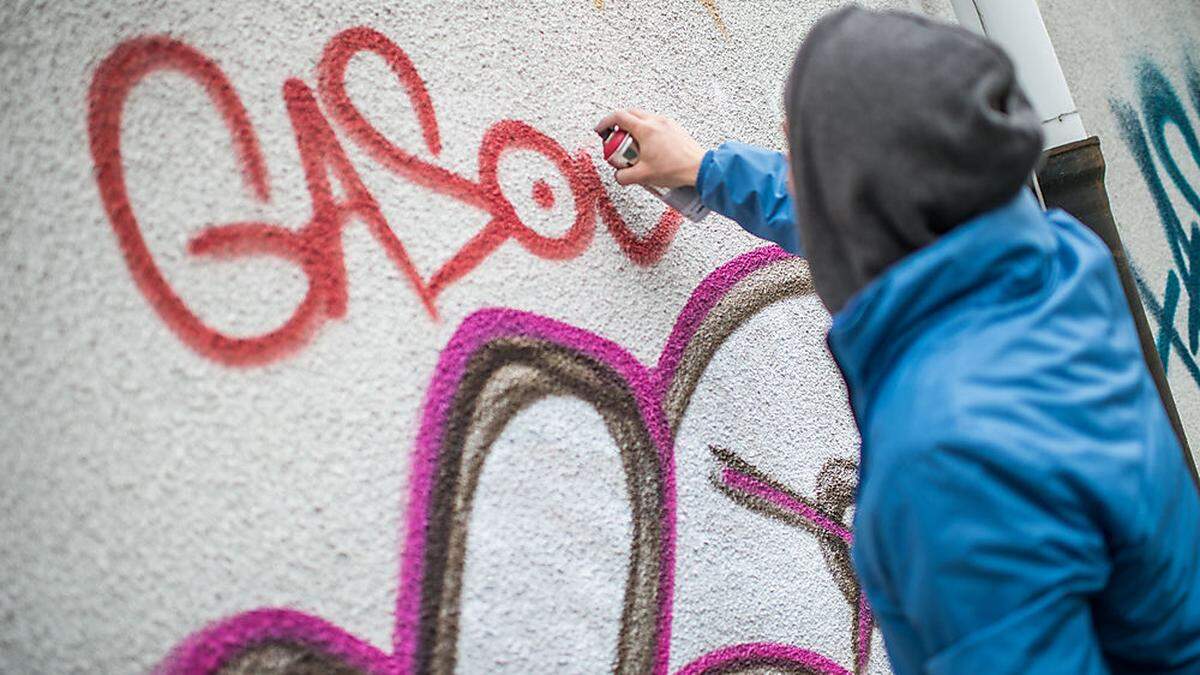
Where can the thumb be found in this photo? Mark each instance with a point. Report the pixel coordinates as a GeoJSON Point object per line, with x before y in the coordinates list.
{"type": "Point", "coordinates": [634, 174]}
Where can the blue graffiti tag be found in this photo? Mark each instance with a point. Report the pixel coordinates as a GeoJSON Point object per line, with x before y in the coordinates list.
{"type": "Point", "coordinates": [1145, 135]}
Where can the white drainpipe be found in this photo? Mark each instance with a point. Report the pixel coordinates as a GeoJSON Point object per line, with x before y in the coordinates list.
{"type": "Point", "coordinates": [1017, 26]}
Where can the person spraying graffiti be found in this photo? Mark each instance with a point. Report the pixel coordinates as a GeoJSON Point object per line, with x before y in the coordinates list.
{"type": "Point", "coordinates": [1023, 505]}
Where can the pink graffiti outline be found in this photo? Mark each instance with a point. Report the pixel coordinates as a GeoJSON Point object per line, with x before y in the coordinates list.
{"type": "Point", "coordinates": [207, 650]}
{"type": "Point", "coordinates": [762, 653]}
{"type": "Point", "coordinates": [753, 486]}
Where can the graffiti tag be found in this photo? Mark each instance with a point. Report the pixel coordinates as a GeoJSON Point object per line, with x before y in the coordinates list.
{"type": "Point", "coordinates": [316, 247]}
{"type": "Point", "coordinates": [1145, 134]}
{"type": "Point", "coordinates": [498, 363]}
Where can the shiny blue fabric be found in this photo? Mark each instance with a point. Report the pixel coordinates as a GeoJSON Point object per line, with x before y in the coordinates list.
{"type": "Point", "coordinates": [1023, 505]}
{"type": "Point", "coordinates": [748, 184]}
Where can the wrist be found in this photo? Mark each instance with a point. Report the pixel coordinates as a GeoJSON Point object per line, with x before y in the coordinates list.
{"type": "Point", "coordinates": [689, 172]}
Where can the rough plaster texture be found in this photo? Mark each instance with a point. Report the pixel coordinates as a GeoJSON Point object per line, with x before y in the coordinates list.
{"type": "Point", "coordinates": [148, 488]}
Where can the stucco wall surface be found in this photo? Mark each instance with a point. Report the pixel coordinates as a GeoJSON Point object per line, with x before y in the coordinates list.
{"type": "Point", "coordinates": [325, 325]}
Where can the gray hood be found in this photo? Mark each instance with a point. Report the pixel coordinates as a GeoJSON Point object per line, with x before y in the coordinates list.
{"type": "Point", "coordinates": [900, 128]}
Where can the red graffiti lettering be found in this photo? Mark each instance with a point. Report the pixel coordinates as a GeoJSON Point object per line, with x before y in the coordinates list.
{"type": "Point", "coordinates": [316, 247]}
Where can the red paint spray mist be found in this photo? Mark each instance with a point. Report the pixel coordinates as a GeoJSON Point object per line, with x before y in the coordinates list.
{"type": "Point", "coordinates": [621, 151]}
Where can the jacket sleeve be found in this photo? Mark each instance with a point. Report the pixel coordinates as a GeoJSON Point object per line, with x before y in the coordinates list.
{"type": "Point", "coordinates": [976, 565]}
{"type": "Point", "coordinates": [748, 184]}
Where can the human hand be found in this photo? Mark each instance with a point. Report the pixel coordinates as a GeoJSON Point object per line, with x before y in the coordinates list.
{"type": "Point", "coordinates": [668, 157]}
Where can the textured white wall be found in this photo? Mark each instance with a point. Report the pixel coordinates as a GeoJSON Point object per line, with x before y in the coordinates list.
{"type": "Point", "coordinates": [148, 487]}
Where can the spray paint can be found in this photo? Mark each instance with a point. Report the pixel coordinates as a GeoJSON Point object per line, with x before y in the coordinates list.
{"type": "Point", "coordinates": [621, 151]}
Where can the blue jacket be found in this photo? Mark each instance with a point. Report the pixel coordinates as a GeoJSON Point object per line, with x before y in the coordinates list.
{"type": "Point", "coordinates": [1023, 505]}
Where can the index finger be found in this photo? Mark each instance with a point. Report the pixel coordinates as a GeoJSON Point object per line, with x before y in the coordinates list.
{"type": "Point", "coordinates": [620, 118]}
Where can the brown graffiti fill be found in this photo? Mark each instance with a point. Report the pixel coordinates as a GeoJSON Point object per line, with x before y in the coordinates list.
{"type": "Point", "coordinates": [833, 548]}
{"type": "Point", "coordinates": [836, 485]}
{"type": "Point", "coordinates": [784, 279]}
{"type": "Point", "coordinates": [282, 658]}
{"type": "Point", "coordinates": [715, 13]}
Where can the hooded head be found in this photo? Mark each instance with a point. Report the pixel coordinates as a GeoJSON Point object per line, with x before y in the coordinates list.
{"type": "Point", "coordinates": [900, 129]}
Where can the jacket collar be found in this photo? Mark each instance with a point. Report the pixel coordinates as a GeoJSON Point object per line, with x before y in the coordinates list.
{"type": "Point", "coordinates": [1003, 252]}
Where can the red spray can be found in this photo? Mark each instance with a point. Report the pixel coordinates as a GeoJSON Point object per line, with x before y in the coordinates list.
{"type": "Point", "coordinates": [621, 151]}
